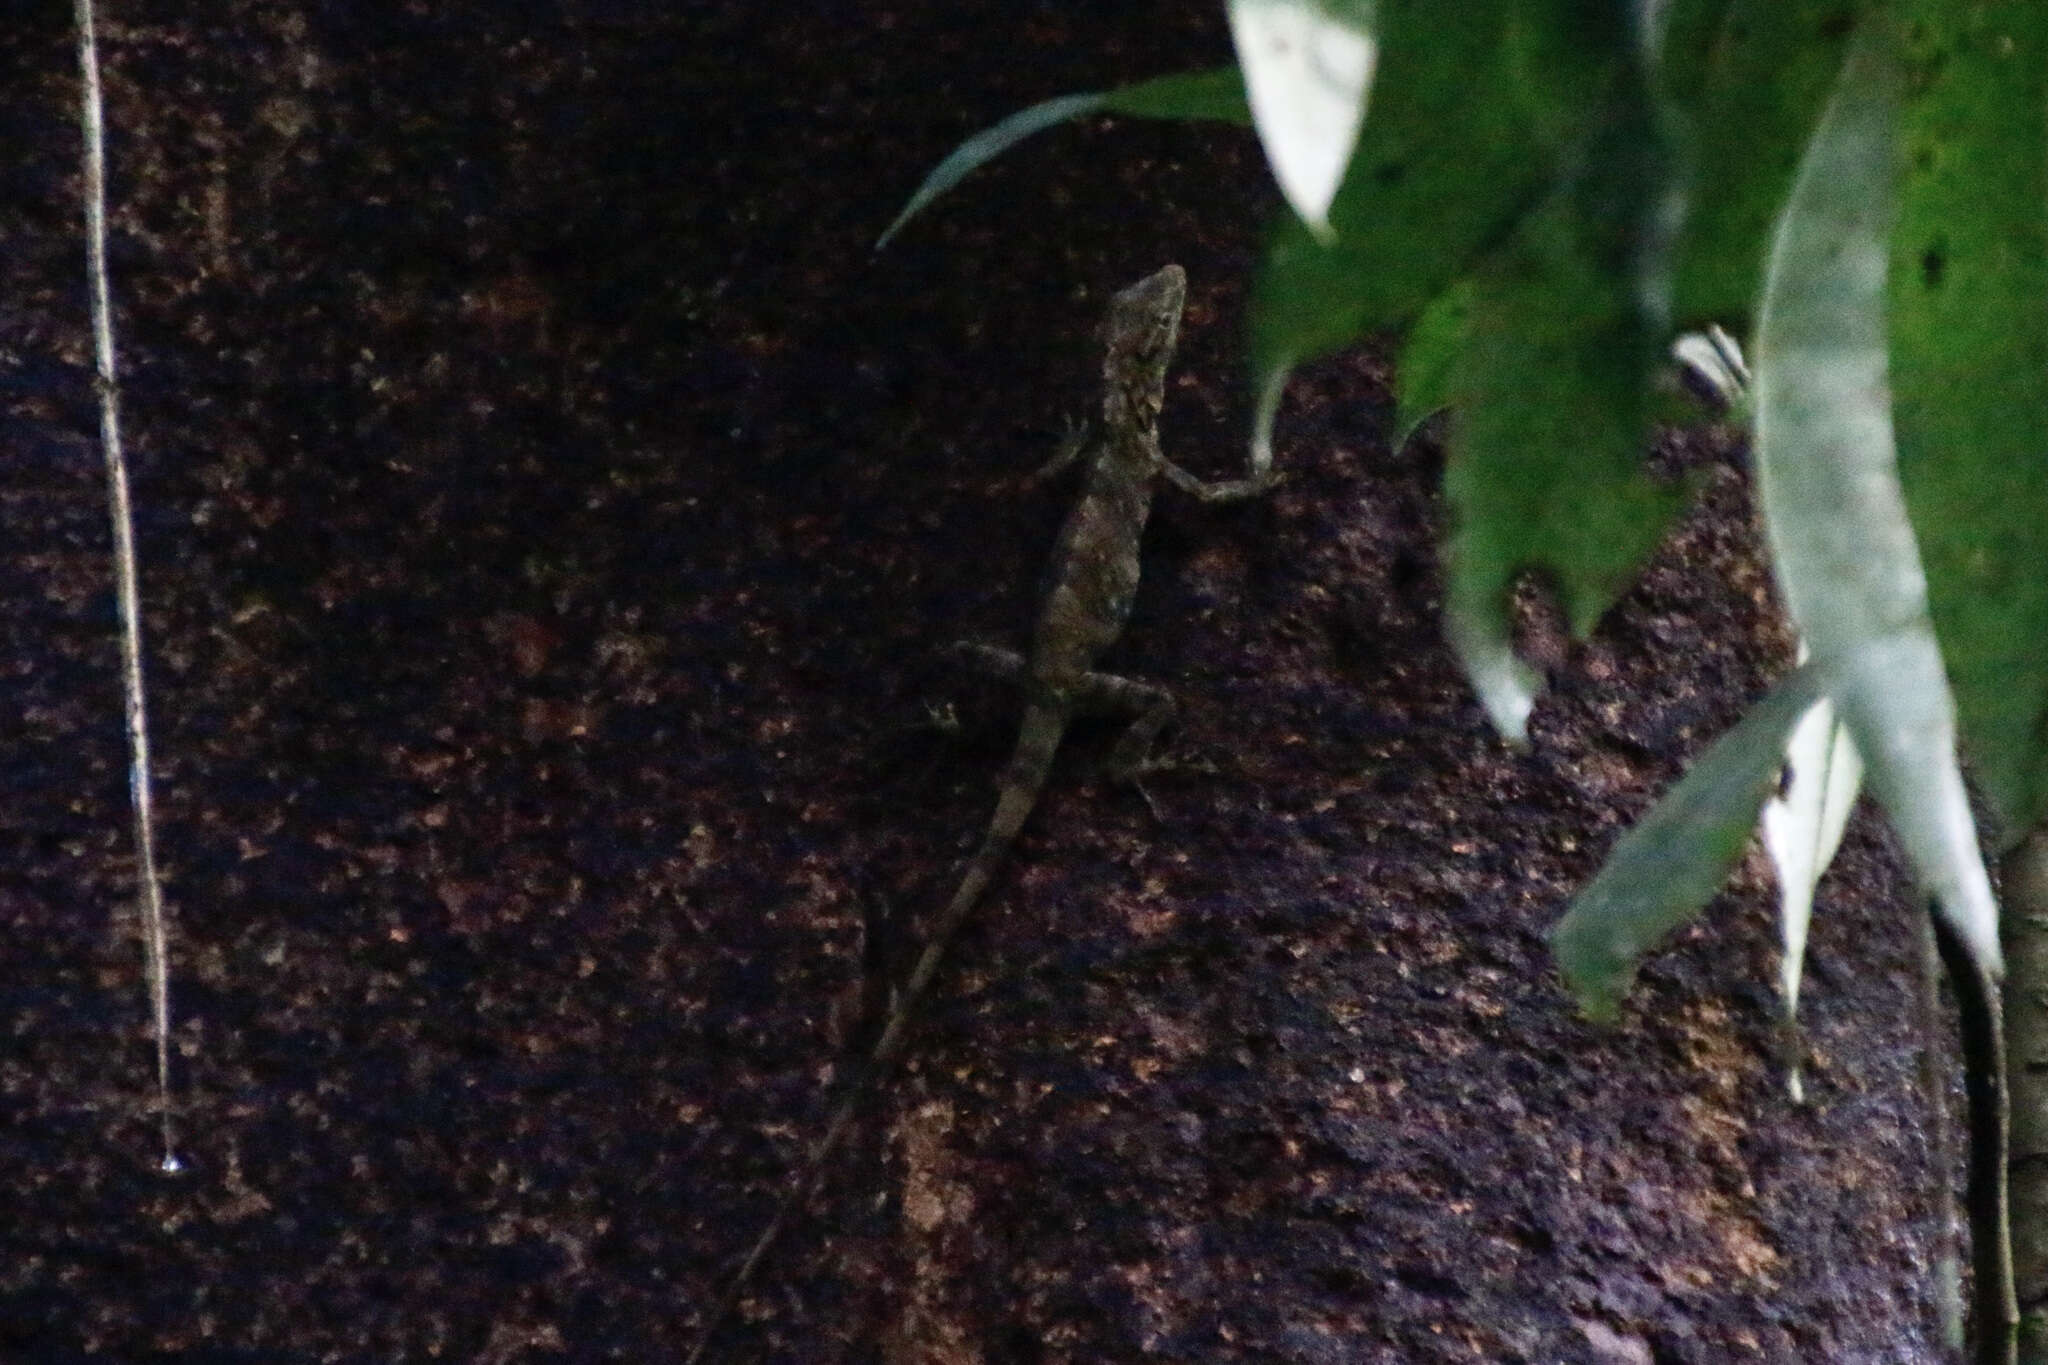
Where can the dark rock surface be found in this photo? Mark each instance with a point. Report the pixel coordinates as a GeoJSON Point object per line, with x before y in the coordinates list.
{"type": "Point", "coordinates": [550, 517]}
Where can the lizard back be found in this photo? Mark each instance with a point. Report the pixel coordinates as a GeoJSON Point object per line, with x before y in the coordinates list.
{"type": "Point", "coordinates": [1095, 563]}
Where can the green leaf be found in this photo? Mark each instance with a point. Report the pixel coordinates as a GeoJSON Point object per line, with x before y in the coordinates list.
{"type": "Point", "coordinates": [1479, 110]}
{"type": "Point", "coordinates": [1665, 869]}
{"type": "Point", "coordinates": [1685, 42]}
{"type": "Point", "coordinates": [1423, 380]}
{"type": "Point", "coordinates": [1312, 297]}
{"type": "Point", "coordinates": [1968, 303]}
{"type": "Point", "coordinates": [1217, 94]}
{"type": "Point", "coordinates": [1749, 113]}
{"type": "Point", "coordinates": [1833, 510]}
{"type": "Point", "coordinates": [1553, 383]}
{"type": "Point", "coordinates": [1451, 153]}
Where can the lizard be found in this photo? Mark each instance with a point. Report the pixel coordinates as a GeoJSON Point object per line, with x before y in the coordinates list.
{"type": "Point", "coordinates": [1093, 580]}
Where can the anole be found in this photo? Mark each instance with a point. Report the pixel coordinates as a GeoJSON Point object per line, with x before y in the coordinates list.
{"type": "Point", "coordinates": [1093, 580]}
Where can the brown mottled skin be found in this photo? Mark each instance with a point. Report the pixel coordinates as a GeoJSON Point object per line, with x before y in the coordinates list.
{"type": "Point", "coordinates": [1094, 580]}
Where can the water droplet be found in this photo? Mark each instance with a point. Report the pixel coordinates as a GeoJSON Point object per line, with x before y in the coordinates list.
{"type": "Point", "coordinates": [170, 1165]}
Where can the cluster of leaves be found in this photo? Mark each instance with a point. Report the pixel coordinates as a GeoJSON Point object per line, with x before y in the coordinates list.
{"type": "Point", "coordinates": [1538, 197]}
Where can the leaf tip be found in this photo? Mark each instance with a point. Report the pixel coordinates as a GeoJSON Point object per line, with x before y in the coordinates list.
{"type": "Point", "coordinates": [1272, 386]}
{"type": "Point", "coordinates": [1597, 980]}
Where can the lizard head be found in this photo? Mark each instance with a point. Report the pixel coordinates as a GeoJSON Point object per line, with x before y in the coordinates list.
{"type": "Point", "coordinates": [1144, 320]}
{"type": "Point", "coordinates": [1138, 337]}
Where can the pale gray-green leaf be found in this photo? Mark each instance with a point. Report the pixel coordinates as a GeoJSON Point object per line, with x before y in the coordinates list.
{"type": "Point", "coordinates": [1216, 94]}
{"type": "Point", "coordinates": [986, 146]}
{"type": "Point", "coordinates": [1802, 828]}
{"type": "Point", "coordinates": [1826, 473]}
{"type": "Point", "coordinates": [1308, 68]}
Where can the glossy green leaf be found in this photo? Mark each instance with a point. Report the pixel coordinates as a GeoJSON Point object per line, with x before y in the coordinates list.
{"type": "Point", "coordinates": [1453, 151]}
{"type": "Point", "coordinates": [1665, 869]}
{"type": "Point", "coordinates": [1516, 144]}
{"type": "Point", "coordinates": [1969, 347]}
{"type": "Point", "coordinates": [1827, 478]}
{"type": "Point", "coordinates": [1553, 383]}
{"type": "Point", "coordinates": [1687, 34]}
{"type": "Point", "coordinates": [1217, 94]}
{"type": "Point", "coordinates": [1423, 381]}
{"type": "Point", "coordinates": [1748, 116]}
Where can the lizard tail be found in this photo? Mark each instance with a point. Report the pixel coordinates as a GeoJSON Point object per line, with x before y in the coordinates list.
{"type": "Point", "coordinates": [813, 1176]}
{"type": "Point", "coordinates": [1038, 739]}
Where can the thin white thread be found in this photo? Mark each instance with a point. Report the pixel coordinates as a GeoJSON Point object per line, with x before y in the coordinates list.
{"type": "Point", "coordinates": [149, 895]}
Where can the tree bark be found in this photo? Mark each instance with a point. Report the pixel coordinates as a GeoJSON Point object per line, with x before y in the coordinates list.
{"type": "Point", "coordinates": [2025, 932]}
